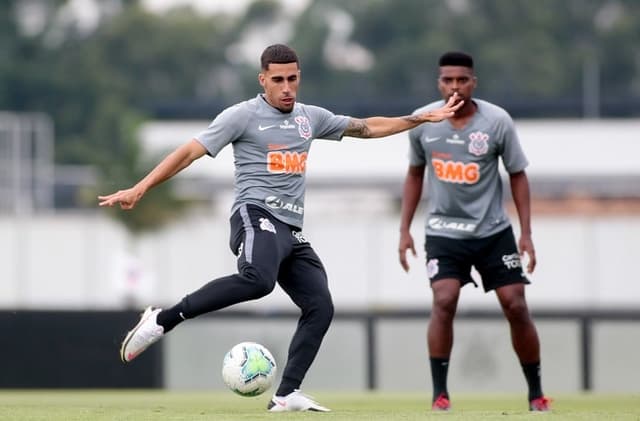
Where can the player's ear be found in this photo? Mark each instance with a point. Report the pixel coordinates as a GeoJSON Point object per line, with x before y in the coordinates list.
{"type": "Point", "coordinates": [261, 79]}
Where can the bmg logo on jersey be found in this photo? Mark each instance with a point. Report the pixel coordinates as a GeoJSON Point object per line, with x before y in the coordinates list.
{"type": "Point", "coordinates": [456, 172]}
{"type": "Point", "coordinates": [286, 162]}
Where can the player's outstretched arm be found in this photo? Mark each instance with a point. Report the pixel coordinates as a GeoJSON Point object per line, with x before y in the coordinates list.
{"type": "Point", "coordinates": [385, 126]}
{"type": "Point", "coordinates": [175, 162]}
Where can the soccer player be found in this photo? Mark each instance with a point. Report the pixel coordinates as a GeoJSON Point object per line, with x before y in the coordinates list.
{"type": "Point", "coordinates": [271, 135]}
{"type": "Point", "coordinates": [466, 223]}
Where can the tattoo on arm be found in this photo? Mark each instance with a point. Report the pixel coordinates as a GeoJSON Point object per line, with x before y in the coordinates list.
{"type": "Point", "coordinates": [357, 128]}
{"type": "Point", "coordinates": [412, 119]}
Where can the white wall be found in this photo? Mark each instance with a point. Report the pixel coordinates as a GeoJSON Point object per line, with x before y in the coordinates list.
{"type": "Point", "coordinates": [482, 360]}
{"type": "Point", "coordinates": [89, 261]}
{"type": "Point", "coordinates": [554, 148]}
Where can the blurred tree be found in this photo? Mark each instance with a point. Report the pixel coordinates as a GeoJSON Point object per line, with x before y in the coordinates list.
{"type": "Point", "coordinates": [100, 82]}
{"type": "Point", "coordinates": [534, 52]}
{"type": "Point", "coordinates": [97, 87]}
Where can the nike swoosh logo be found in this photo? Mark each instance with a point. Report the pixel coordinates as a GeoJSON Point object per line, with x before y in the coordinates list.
{"type": "Point", "coordinates": [431, 139]}
{"type": "Point", "coordinates": [261, 127]}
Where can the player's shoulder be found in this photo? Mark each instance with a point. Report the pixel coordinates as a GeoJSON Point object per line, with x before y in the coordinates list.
{"type": "Point", "coordinates": [311, 108]}
{"type": "Point", "coordinates": [236, 117]}
{"type": "Point", "coordinates": [491, 110]}
{"type": "Point", "coordinates": [241, 109]}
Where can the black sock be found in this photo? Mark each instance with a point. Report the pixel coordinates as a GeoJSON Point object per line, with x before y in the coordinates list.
{"type": "Point", "coordinates": [532, 374]}
{"type": "Point", "coordinates": [287, 386]}
{"type": "Point", "coordinates": [439, 370]}
{"type": "Point", "coordinates": [171, 317]}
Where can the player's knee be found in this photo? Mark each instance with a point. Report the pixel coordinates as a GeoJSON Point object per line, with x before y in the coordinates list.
{"type": "Point", "coordinates": [325, 316]}
{"type": "Point", "coordinates": [328, 310]}
{"type": "Point", "coordinates": [516, 310]}
{"type": "Point", "coordinates": [262, 285]}
{"type": "Point", "coordinates": [445, 303]}
{"type": "Point", "coordinates": [321, 309]}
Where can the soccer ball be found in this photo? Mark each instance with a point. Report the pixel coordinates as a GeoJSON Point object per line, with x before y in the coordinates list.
{"type": "Point", "coordinates": [248, 369]}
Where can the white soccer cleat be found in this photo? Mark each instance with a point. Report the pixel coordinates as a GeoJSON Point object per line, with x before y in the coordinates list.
{"type": "Point", "coordinates": [145, 333]}
{"type": "Point", "coordinates": [295, 401]}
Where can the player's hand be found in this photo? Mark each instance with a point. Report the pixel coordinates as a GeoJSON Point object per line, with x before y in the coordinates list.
{"type": "Point", "coordinates": [525, 246]}
{"type": "Point", "coordinates": [447, 111]}
{"type": "Point", "coordinates": [406, 243]}
{"type": "Point", "coordinates": [126, 198]}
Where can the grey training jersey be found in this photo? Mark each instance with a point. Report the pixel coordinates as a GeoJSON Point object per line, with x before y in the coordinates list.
{"type": "Point", "coordinates": [270, 151]}
{"type": "Point", "coordinates": [463, 180]}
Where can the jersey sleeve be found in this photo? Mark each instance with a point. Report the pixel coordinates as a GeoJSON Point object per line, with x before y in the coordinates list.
{"type": "Point", "coordinates": [224, 129]}
{"type": "Point", "coordinates": [513, 156]}
{"type": "Point", "coordinates": [327, 125]}
{"type": "Point", "coordinates": [416, 151]}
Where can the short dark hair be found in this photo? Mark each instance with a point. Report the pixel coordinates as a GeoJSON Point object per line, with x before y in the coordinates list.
{"type": "Point", "coordinates": [456, 58]}
{"type": "Point", "coordinates": [278, 53]}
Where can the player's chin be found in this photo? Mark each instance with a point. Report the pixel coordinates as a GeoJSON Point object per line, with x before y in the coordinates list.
{"type": "Point", "coordinates": [287, 104]}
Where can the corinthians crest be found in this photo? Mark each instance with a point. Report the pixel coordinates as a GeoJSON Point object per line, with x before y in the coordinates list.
{"type": "Point", "coordinates": [479, 144]}
{"type": "Point", "coordinates": [304, 127]}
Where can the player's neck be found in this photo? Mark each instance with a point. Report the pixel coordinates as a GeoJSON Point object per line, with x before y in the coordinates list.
{"type": "Point", "coordinates": [463, 115]}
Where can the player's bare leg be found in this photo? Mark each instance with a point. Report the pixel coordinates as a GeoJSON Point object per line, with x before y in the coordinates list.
{"type": "Point", "coordinates": [525, 341]}
{"type": "Point", "coordinates": [524, 335]}
{"type": "Point", "coordinates": [440, 337]}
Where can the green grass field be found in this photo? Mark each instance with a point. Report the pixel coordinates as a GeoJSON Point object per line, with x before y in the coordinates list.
{"type": "Point", "coordinates": [54, 405]}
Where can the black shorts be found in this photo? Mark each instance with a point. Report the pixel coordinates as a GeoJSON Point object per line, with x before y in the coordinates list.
{"type": "Point", "coordinates": [276, 251]}
{"type": "Point", "coordinates": [495, 258]}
